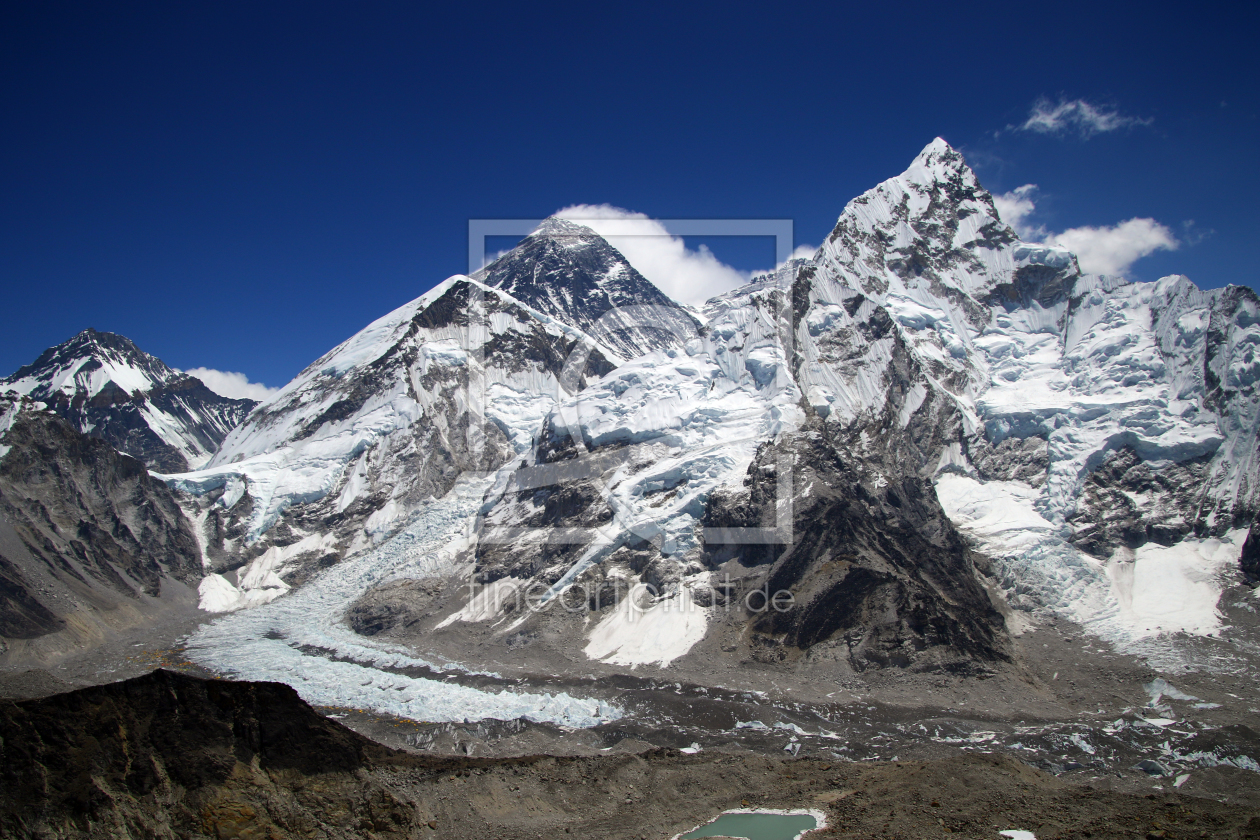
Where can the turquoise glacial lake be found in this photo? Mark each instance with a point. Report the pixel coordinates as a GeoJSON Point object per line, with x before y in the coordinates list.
{"type": "Point", "coordinates": [756, 826]}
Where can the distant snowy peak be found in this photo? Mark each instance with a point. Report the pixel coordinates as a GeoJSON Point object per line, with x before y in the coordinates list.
{"type": "Point", "coordinates": [571, 273]}
{"type": "Point", "coordinates": [90, 363]}
{"type": "Point", "coordinates": [111, 389]}
{"type": "Point", "coordinates": [1004, 344]}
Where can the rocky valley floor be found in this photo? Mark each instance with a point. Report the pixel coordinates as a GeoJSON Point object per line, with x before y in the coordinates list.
{"type": "Point", "coordinates": [168, 755]}
{"type": "Point", "coordinates": [1073, 739]}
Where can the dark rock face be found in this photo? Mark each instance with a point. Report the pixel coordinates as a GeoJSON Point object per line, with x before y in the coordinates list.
{"type": "Point", "coordinates": [203, 415]}
{"type": "Point", "coordinates": [22, 616]}
{"type": "Point", "coordinates": [875, 566]}
{"type": "Point", "coordinates": [196, 418]}
{"type": "Point", "coordinates": [83, 524]}
{"type": "Point", "coordinates": [1250, 559]}
{"type": "Point", "coordinates": [1127, 503]}
{"type": "Point", "coordinates": [397, 604]}
{"type": "Point", "coordinates": [1041, 284]}
{"type": "Point", "coordinates": [1013, 459]}
{"type": "Point", "coordinates": [168, 755]}
{"type": "Point", "coordinates": [569, 272]}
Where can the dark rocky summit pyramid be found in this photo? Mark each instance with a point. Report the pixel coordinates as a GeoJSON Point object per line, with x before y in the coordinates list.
{"type": "Point", "coordinates": [571, 273]}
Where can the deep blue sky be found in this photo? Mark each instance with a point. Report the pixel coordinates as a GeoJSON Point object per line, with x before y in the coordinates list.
{"type": "Point", "coordinates": [243, 185]}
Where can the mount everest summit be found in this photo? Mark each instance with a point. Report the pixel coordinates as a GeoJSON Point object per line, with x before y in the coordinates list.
{"type": "Point", "coordinates": [926, 436]}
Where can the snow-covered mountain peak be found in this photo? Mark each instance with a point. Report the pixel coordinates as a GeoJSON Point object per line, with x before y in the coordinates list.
{"type": "Point", "coordinates": [88, 363]}
{"type": "Point", "coordinates": [924, 345]}
{"type": "Point", "coordinates": [938, 161]}
{"type": "Point", "coordinates": [928, 250]}
{"type": "Point", "coordinates": [569, 272]}
{"type": "Point", "coordinates": [931, 232]}
{"type": "Point", "coordinates": [111, 389]}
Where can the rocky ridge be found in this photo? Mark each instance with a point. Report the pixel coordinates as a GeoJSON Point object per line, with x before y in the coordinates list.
{"type": "Point", "coordinates": [89, 543]}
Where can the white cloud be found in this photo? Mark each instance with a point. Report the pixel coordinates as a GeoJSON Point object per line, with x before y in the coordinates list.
{"type": "Point", "coordinates": [1016, 206]}
{"type": "Point", "coordinates": [1099, 250]}
{"type": "Point", "coordinates": [1075, 116]}
{"type": "Point", "coordinates": [230, 384]}
{"type": "Point", "coordinates": [489, 258]}
{"type": "Point", "coordinates": [688, 276]}
{"type": "Point", "coordinates": [1111, 250]}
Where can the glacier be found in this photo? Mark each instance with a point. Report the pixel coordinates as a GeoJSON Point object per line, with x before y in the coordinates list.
{"type": "Point", "coordinates": [272, 641]}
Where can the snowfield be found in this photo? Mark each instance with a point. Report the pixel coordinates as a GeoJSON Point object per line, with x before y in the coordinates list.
{"type": "Point", "coordinates": [640, 631]}
{"type": "Point", "coordinates": [1138, 594]}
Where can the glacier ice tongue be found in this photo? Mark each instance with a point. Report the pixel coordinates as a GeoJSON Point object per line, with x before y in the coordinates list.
{"type": "Point", "coordinates": [301, 639]}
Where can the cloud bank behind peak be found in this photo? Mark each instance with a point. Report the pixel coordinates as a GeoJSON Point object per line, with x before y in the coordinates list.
{"type": "Point", "coordinates": [689, 276]}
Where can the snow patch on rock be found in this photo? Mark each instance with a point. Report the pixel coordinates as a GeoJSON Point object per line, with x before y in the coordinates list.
{"type": "Point", "coordinates": [643, 630]}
